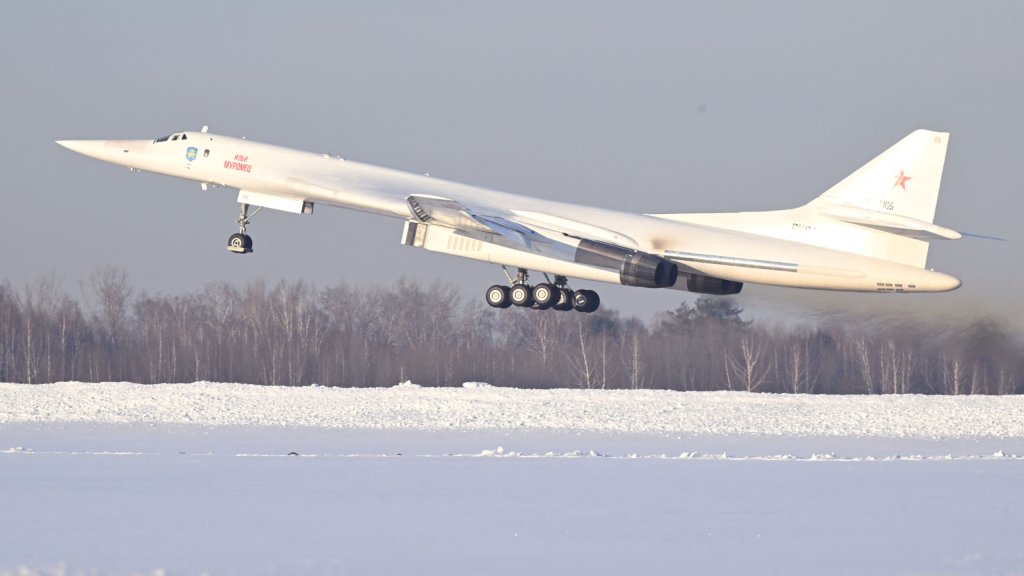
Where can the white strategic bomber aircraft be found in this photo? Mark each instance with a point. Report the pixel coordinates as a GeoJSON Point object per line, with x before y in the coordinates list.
{"type": "Point", "coordinates": [868, 233]}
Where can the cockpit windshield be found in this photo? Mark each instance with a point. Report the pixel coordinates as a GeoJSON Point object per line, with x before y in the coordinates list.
{"type": "Point", "coordinates": [177, 136]}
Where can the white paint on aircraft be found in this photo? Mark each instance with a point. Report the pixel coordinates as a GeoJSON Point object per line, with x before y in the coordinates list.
{"type": "Point", "coordinates": [868, 233]}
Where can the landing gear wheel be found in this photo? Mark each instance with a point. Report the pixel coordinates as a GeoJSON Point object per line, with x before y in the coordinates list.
{"type": "Point", "coordinates": [498, 296]}
{"type": "Point", "coordinates": [544, 296]}
{"type": "Point", "coordinates": [586, 301]}
{"type": "Point", "coordinates": [520, 295]}
{"type": "Point", "coordinates": [564, 300]}
{"type": "Point", "coordinates": [240, 243]}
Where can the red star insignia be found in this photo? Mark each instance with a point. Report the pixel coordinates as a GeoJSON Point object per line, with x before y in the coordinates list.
{"type": "Point", "coordinates": [901, 181]}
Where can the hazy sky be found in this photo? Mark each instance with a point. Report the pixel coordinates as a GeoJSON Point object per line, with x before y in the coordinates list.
{"type": "Point", "coordinates": [652, 107]}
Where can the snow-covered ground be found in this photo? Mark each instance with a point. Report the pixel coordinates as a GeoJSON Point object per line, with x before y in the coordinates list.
{"type": "Point", "coordinates": [233, 479]}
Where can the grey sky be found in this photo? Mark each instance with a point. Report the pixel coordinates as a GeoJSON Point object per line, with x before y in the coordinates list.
{"type": "Point", "coordinates": [652, 107]}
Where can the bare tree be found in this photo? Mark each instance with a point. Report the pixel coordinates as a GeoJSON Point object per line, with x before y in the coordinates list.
{"type": "Point", "coordinates": [632, 344]}
{"type": "Point", "coordinates": [580, 358]}
{"type": "Point", "coordinates": [862, 353]}
{"type": "Point", "coordinates": [800, 376]}
{"type": "Point", "coordinates": [111, 292]}
{"type": "Point", "coordinates": [750, 366]}
{"type": "Point", "coordinates": [1006, 382]}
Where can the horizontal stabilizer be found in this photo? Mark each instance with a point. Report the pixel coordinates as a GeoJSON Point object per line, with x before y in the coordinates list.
{"type": "Point", "coordinates": [982, 236]}
{"type": "Point", "coordinates": [892, 223]}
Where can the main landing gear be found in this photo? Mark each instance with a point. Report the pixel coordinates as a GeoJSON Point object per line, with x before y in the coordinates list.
{"type": "Point", "coordinates": [241, 243]}
{"type": "Point", "coordinates": [554, 295]}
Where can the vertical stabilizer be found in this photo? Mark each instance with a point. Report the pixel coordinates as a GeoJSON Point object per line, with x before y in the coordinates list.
{"type": "Point", "coordinates": [904, 180]}
{"type": "Point", "coordinates": [891, 199]}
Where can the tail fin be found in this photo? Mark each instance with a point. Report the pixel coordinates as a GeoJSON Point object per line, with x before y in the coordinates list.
{"type": "Point", "coordinates": [892, 198]}
{"type": "Point", "coordinates": [903, 180]}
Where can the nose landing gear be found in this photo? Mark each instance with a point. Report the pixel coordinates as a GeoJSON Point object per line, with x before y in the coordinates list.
{"type": "Point", "coordinates": [241, 243]}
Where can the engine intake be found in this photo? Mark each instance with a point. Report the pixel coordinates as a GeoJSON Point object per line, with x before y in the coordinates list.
{"type": "Point", "coordinates": [635, 268]}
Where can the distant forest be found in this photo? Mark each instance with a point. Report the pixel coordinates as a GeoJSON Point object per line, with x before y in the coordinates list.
{"type": "Point", "coordinates": [293, 334]}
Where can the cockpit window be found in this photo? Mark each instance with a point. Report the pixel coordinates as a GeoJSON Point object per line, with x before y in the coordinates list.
{"type": "Point", "coordinates": [172, 137]}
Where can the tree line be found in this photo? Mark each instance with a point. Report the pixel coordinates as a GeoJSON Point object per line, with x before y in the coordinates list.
{"type": "Point", "coordinates": [292, 333]}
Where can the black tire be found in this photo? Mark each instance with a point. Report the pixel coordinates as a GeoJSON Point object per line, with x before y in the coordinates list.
{"type": "Point", "coordinates": [238, 243]}
{"type": "Point", "coordinates": [544, 296]}
{"type": "Point", "coordinates": [248, 242]}
{"type": "Point", "coordinates": [580, 300]}
{"type": "Point", "coordinates": [586, 301]}
{"type": "Point", "coordinates": [497, 296]}
{"type": "Point", "coordinates": [564, 300]}
{"type": "Point", "coordinates": [521, 295]}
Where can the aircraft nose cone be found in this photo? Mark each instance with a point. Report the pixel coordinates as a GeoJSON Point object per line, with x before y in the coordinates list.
{"type": "Point", "coordinates": [116, 151]}
{"type": "Point", "coordinates": [92, 148]}
{"type": "Point", "coordinates": [75, 145]}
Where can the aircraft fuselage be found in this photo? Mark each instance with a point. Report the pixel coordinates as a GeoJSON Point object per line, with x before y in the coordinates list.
{"type": "Point", "coordinates": [298, 179]}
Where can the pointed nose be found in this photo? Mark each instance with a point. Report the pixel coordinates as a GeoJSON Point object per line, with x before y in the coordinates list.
{"type": "Point", "coordinates": [87, 147]}
{"type": "Point", "coordinates": [116, 151]}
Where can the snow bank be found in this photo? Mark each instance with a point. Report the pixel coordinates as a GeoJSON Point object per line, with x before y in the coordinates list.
{"type": "Point", "coordinates": [482, 407]}
{"type": "Point", "coordinates": [476, 407]}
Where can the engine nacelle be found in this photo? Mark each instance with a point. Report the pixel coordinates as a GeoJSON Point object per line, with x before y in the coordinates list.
{"type": "Point", "coordinates": [711, 285]}
{"type": "Point", "coordinates": [635, 268]}
{"type": "Point", "coordinates": [649, 271]}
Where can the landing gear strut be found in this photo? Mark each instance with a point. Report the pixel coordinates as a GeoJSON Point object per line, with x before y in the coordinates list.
{"type": "Point", "coordinates": [241, 243]}
{"type": "Point", "coordinates": [555, 295]}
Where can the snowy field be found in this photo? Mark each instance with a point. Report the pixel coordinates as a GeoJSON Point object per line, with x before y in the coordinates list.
{"type": "Point", "coordinates": [121, 478]}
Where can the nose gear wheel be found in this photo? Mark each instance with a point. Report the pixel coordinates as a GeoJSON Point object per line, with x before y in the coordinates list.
{"type": "Point", "coordinates": [241, 243]}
